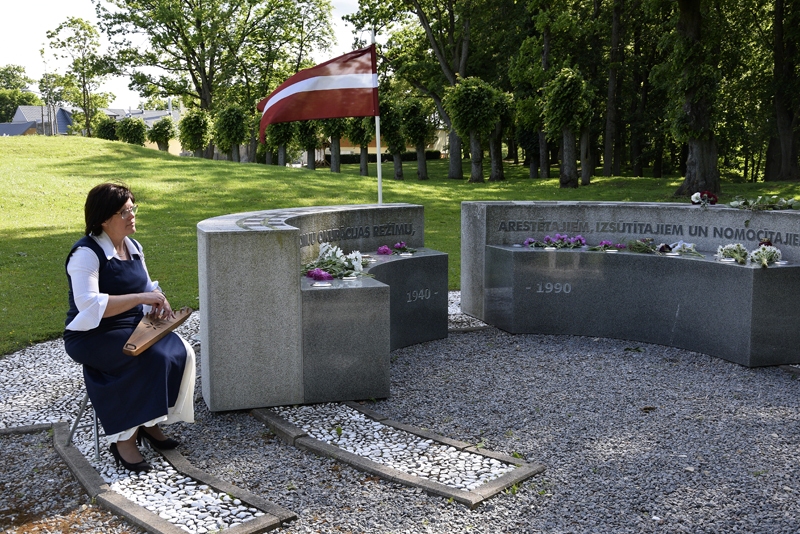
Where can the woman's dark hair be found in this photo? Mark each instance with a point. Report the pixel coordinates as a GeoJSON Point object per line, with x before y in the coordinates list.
{"type": "Point", "coordinates": [102, 203]}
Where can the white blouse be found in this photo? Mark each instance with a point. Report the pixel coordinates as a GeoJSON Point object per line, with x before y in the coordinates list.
{"type": "Point", "coordinates": [84, 272]}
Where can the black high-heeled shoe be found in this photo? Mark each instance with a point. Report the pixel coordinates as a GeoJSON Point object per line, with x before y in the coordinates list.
{"type": "Point", "coordinates": [140, 467]}
{"type": "Point", "coordinates": [163, 444]}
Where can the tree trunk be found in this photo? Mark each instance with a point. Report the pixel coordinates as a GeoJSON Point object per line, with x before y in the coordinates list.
{"type": "Point", "coordinates": [422, 165]}
{"type": "Point", "coordinates": [658, 160]}
{"type": "Point", "coordinates": [281, 155]}
{"type": "Point", "coordinates": [455, 170]}
{"type": "Point", "coordinates": [476, 157]}
{"type": "Point", "coordinates": [496, 172]}
{"type": "Point", "coordinates": [586, 158]}
{"type": "Point", "coordinates": [311, 158]}
{"type": "Point", "coordinates": [268, 160]}
{"type": "Point", "coordinates": [235, 153]}
{"type": "Point", "coordinates": [544, 156]}
{"type": "Point", "coordinates": [702, 172]}
{"type": "Point", "coordinates": [364, 171]}
{"type": "Point", "coordinates": [336, 153]}
{"type": "Point", "coordinates": [785, 78]}
{"type": "Point", "coordinates": [611, 94]}
{"type": "Point", "coordinates": [163, 146]}
{"type": "Point", "coordinates": [398, 166]}
{"type": "Point", "coordinates": [569, 170]}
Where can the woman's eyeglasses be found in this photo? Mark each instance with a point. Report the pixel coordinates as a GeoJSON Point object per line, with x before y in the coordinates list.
{"type": "Point", "coordinates": [127, 213]}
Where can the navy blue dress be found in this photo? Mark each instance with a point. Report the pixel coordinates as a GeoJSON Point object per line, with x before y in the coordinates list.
{"type": "Point", "coordinates": [125, 391]}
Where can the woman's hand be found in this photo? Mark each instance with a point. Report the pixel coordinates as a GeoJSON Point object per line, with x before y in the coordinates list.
{"type": "Point", "coordinates": [159, 306]}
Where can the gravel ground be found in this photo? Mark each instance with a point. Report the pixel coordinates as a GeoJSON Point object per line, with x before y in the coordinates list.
{"type": "Point", "coordinates": [635, 438]}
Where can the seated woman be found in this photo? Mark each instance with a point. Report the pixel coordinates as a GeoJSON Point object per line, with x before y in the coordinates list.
{"type": "Point", "coordinates": [110, 290]}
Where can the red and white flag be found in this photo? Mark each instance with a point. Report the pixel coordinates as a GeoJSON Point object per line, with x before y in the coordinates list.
{"type": "Point", "coordinates": [346, 86]}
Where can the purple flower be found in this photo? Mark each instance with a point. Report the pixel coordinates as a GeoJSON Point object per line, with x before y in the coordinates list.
{"type": "Point", "coordinates": [606, 243]}
{"type": "Point", "coordinates": [528, 242]}
{"type": "Point", "coordinates": [578, 239]}
{"type": "Point", "coordinates": [319, 274]}
{"type": "Point", "coordinates": [548, 239]}
{"type": "Point", "coordinates": [383, 249]}
{"type": "Point", "coordinates": [401, 244]}
{"type": "Point", "coordinates": [620, 246]}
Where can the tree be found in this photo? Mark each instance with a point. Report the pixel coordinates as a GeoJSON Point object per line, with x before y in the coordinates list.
{"type": "Point", "coordinates": [694, 56]}
{"type": "Point", "coordinates": [194, 131]}
{"type": "Point", "coordinates": [360, 131]}
{"type": "Point", "coordinates": [471, 105]}
{"type": "Point", "coordinates": [161, 132]}
{"type": "Point", "coordinates": [132, 130]}
{"type": "Point", "coordinates": [107, 129]}
{"type": "Point", "coordinates": [335, 129]}
{"type": "Point", "coordinates": [11, 99]}
{"type": "Point", "coordinates": [308, 135]}
{"type": "Point", "coordinates": [786, 52]}
{"type": "Point", "coordinates": [13, 77]}
{"type": "Point", "coordinates": [566, 112]}
{"type": "Point", "coordinates": [230, 130]}
{"type": "Point", "coordinates": [282, 135]}
{"type": "Point", "coordinates": [392, 131]}
{"type": "Point", "coordinates": [428, 66]}
{"type": "Point", "coordinates": [198, 48]}
{"type": "Point", "coordinates": [417, 128]}
{"type": "Point", "coordinates": [79, 41]}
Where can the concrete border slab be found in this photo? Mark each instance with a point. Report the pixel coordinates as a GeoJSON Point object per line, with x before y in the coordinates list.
{"type": "Point", "coordinates": [297, 437]}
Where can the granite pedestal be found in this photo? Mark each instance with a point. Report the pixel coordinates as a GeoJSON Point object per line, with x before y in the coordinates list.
{"type": "Point", "coordinates": [741, 313]}
{"type": "Point", "coordinates": [418, 286]}
{"type": "Point", "coordinates": [269, 340]}
{"type": "Point", "coordinates": [345, 340]}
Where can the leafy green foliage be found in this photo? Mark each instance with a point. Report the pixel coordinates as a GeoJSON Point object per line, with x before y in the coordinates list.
{"type": "Point", "coordinates": [282, 133]}
{"type": "Point", "coordinates": [161, 132]}
{"type": "Point", "coordinates": [230, 127]}
{"type": "Point", "coordinates": [360, 130]}
{"type": "Point", "coordinates": [566, 102]}
{"type": "Point", "coordinates": [132, 130]}
{"type": "Point", "coordinates": [11, 99]}
{"type": "Point", "coordinates": [471, 106]}
{"type": "Point", "coordinates": [197, 49]}
{"type": "Point", "coordinates": [194, 130]}
{"type": "Point", "coordinates": [107, 129]}
{"type": "Point", "coordinates": [13, 77]}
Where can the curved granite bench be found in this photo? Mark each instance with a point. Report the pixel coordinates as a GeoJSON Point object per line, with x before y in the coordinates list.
{"type": "Point", "coordinates": [270, 337]}
{"type": "Point", "coordinates": [742, 313]}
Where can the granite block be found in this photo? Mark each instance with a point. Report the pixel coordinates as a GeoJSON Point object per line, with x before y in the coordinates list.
{"type": "Point", "coordinates": [345, 340]}
{"type": "Point", "coordinates": [741, 313]}
{"type": "Point", "coordinates": [510, 222]}
{"type": "Point", "coordinates": [418, 287]}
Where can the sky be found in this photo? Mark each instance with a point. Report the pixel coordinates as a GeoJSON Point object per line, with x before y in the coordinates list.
{"type": "Point", "coordinates": [25, 24]}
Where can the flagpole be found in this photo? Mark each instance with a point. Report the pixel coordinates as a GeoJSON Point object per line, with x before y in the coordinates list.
{"type": "Point", "coordinates": [378, 146]}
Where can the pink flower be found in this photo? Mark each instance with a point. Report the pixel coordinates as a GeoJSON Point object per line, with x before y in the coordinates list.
{"type": "Point", "coordinates": [383, 249]}
{"type": "Point", "coordinates": [319, 274]}
{"type": "Point", "coordinates": [401, 244]}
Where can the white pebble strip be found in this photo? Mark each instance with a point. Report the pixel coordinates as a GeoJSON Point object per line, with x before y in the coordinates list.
{"type": "Point", "coordinates": [41, 385]}
{"type": "Point", "coordinates": [352, 431]}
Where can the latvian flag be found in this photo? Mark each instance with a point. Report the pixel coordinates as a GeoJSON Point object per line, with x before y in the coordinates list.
{"type": "Point", "coordinates": [346, 86]}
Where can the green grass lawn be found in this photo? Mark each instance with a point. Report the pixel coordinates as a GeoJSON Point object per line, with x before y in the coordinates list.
{"type": "Point", "coordinates": [44, 182]}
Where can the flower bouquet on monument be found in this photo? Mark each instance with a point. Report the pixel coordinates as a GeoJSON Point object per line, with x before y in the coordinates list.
{"type": "Point", "coordinates": [606, 245]}
{"type": "Point", "coordinates": [332, 263]}
{"type": "Point", "coordinates": [559, 241]}
{"type": "Point", "coordinates": [765, 254]}
{"type": "Point", "coordinates": [734, 251]}
{"type": "Point", "coordinates": [399, 248]}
